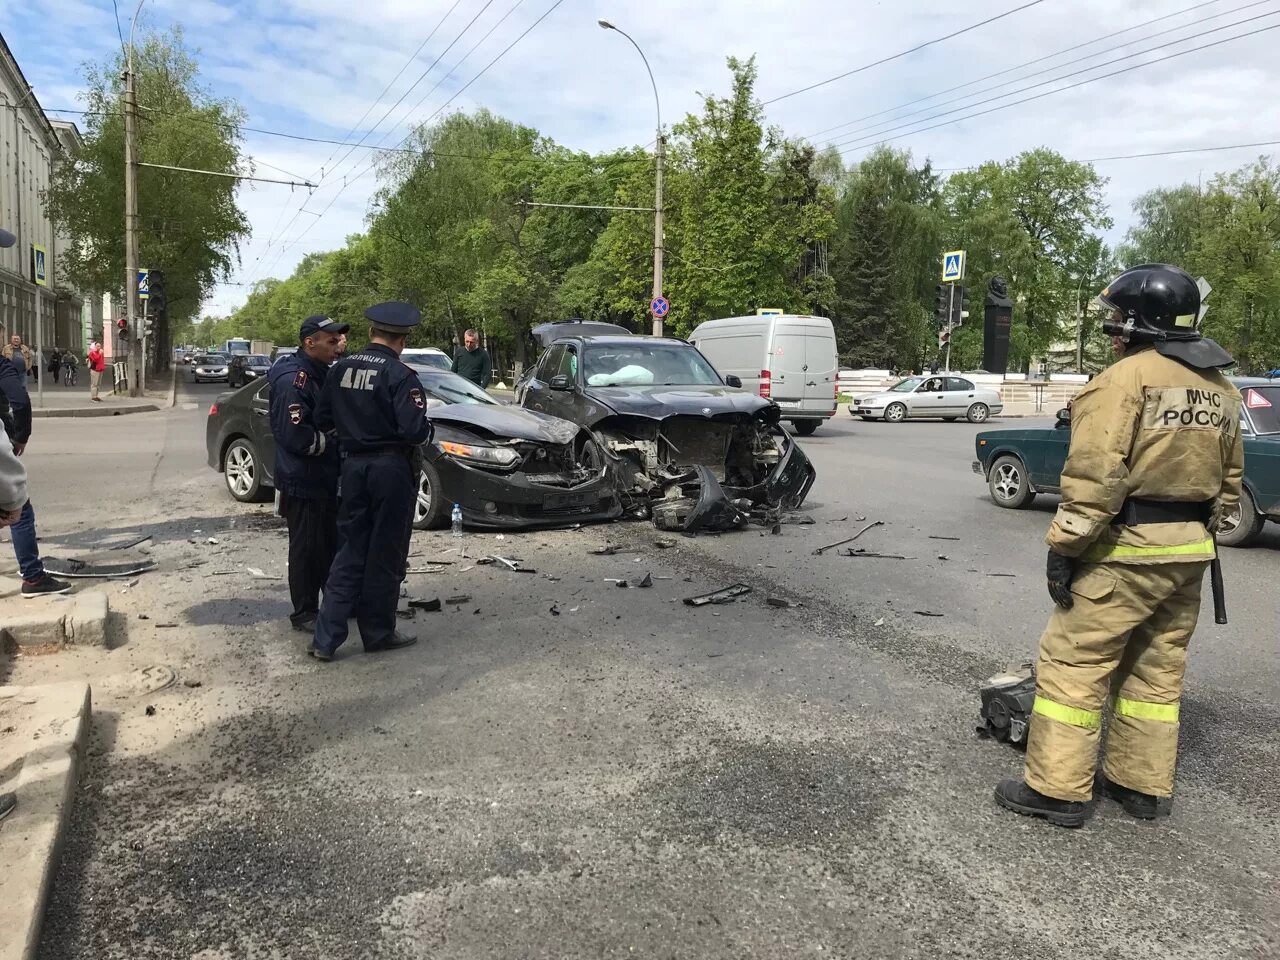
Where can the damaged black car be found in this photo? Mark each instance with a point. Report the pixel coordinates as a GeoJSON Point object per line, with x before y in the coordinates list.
{"type": "Point", "coordinates": [504, 466]}
{"type": "Point", "coordinates": [693, 451]}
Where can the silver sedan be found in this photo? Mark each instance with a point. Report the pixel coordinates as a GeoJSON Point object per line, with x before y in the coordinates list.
{"type": "Point", "coordinates": [939, 395]}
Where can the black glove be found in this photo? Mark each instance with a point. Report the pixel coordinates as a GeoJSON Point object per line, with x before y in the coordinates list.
{"type": "Point", "coordinates": [1060, 570]}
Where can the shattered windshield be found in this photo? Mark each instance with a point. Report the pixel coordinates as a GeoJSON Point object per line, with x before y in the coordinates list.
{"type": "Point", "coordinates": [645, 364]}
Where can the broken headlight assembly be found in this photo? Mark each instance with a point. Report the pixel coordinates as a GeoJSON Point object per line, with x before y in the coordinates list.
{"type": "Point", "coordinates": [481, 453]}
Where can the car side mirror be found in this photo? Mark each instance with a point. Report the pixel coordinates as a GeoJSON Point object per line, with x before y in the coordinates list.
{"type": "Point", "coordinates": [1064, 416]}
{"type": "Point", "coordinates": [732, 381]}
{"type": "Point", "coordinates": [560, 382]}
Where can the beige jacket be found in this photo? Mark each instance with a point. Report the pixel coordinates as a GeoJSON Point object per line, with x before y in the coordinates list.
{"type": "Point", "coordinates": [1153, 428]}
{"type": "Point", "coordinates": [20, 357]}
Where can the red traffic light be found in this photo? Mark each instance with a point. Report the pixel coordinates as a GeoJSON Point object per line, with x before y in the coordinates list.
{"type": "Point", "coordinates": [120, 323]}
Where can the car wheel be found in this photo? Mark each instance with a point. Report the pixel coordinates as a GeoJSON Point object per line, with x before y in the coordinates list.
{"type": "Point", "coordinates": [242, 471]}
{"type": "Point", "coordinates": [431, 508]}
{"type": "Point", "coordinates": [978, 413]}
{"type": "Point", "coordinates": [895, 412]}
{"type": "Point", "coordinates": [805, 428]}
{"type": "Point", "coordinates": [950, 419]}
{"type": "Point", "coordinates": [1242, 525]}
{"type": "Point", "coordinates": [1009, 485]}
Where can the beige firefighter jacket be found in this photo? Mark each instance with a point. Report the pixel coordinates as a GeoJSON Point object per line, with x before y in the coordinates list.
{"type": "Point", "coordinates": [1153, 428]}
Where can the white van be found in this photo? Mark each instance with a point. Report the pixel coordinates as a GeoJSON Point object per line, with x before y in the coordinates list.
{"type": "Point", "coordinates": [789, 358]}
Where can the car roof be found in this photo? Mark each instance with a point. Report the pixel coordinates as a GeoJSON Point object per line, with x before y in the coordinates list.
{"type": "Point", "coordinates": [627, 340]}
{"type": "Point", "coordinates": [1255, 382]}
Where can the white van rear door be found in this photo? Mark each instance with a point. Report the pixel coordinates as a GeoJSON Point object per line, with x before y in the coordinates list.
{"type": "Point", "coordinates": [787, 365]}
{"type": "Point", "coordinates": [824, 366]}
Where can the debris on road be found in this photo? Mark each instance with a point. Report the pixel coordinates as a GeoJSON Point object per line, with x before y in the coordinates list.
{"type": "Point", "coordinates": [150, 711]}
{"type": "Point", "coordinates": [927, 613]}
{"type": "Point", "coordinates": [555, 611]}
{"type": "Point", "coordinates": [458, 600]}
{"type": "Point", "coordinates": [775, 529]}
{"type": "Point", "coordinates": [261, 574]}
{"type": "Point", "coordinates": [879, 623]}
{"type": "Point", "coordinates": [933, 537]}
{"type": "Point", "coordinates": [800, 519]}
{"type": "Point", "coordinates": [874, 556]}
{"type": "Point", "coordinates": [725, 595]}
{"type": "Point", "coordinates": [164, 626]}
{"type": "Point", "coordinates": [1001, 574]}
{"type": "Point", "coordinates": [212, 541]}
{"type": "Point", "coordinates": [840, 543]}
{"type": "Point", "coordinates": [608, 550]}
{"type": "Point", "coordinates": [646, 582]}
{"type": "Point", "coordinates": [664, 543]}
{"type": "Point", "coordinates": [780, 603]}
{"type": "Point", "coordinates": [193, 683]}
{"type": "Point", "coordinates": [943, 556]}
{"type": "Point", "coordinates": [102, 565]}
{"type": "Point", "coordinates": [430, 606]}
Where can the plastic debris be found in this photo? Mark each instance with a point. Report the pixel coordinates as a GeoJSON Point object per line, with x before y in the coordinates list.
{"type": "Point", "coordinates": [725, 595]}
{"type": "Point", "coordinates": [840, 543]}
{"type": "Point", "coordinates": [430, 606]}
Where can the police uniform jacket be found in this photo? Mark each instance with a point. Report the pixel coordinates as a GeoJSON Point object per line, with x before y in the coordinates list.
{"type": "Point", "coordinates": [307, 463]}
{"type": "Point", "coordinates": [375, 403]}
{"type": "Point", "coordinates": [15, 402]}
{"type": "Point", "coordinates": [1148, 428]}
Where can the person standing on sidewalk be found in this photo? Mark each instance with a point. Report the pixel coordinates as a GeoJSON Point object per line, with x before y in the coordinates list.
{"type": "Point", "coordinates": [473, 361]}
{"type": "Point", "coordinates": [97, 363]}
{"type": "Point", "coordinates": [307, 464]}
{"type": "Point", "coordinates": [17, 352]}
{"type": "Point", "coordinates": [15, 412]}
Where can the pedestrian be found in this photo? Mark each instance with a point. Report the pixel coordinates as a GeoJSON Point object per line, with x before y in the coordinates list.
{"type": "Point", "coordinates": [1155, 461]}
{"type": "Point", "coordinates": [97, 363]}
{"type": "Point", "coordinates": [307, 464]}
{"type": "Point", "coordinates": [473, 361]}
{"type": "Point", "coordinates": [376, 405]}
{"type": "Point", "coordinates": [70, 362]}
{"type": "Point", "coordinates": [55, 363]}
{"type": "Point", "coordinates": [18, 353]}
{"type": "Point", "coordinates": [15, 414]}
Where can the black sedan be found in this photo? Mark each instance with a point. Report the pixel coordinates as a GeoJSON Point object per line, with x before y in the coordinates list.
{"type": "Point", "coordinates": [698, 452]}
{"type": "Point", "coordinates": [506, 467]}
{"type": "Point", "coordinates": [245, 367]}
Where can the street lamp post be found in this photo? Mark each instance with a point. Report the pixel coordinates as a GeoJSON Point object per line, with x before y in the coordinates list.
{"type": "Point", "coordinates": [134, 325]}
{"type": "Point", "coordinates": [660, 151]}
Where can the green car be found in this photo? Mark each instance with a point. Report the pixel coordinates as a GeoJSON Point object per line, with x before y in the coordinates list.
{"type": "Point", "coordinates": [1018, 464]}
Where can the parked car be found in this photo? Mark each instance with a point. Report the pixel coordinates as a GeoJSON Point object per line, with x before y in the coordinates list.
{"type": "Point", "coordinates": [209, 368]}
{"type": "Point", "coordinates": [506, 467]}
{"type": "Point", "coordinates": [938, 395]}
{"type": "Point", "coordinates": [785, 358]}
{"type": "Point", "coordinates": [281, 353]}
{"type": "Point", "coordinates": [244, 367]}
{"type": "Point", "coordinates": [427, 357]}
{"type": "Point", "coordinates": [1021, 463]}
{"type": "Point", "coordinates": [698, 451]}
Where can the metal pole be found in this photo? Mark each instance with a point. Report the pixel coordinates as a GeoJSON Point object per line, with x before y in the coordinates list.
{"type": "Point", "coordinates": [951, 305]}
{"type": "Point", "coordinates": [39, 344]}
{"type": "Point", "coordinates": [131, 256]}
{"type": "Point", "coordinates": [659, 158]}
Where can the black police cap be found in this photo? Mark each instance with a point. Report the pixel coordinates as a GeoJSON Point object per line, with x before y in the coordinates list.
{"type": "Point", "coordinates": [394, 316]}
{"type": "Point", "coordinates": [319, 324]}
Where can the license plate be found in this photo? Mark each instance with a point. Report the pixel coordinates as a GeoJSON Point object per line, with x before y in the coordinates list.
{"type": "Point", "coordinates": [562, 501]}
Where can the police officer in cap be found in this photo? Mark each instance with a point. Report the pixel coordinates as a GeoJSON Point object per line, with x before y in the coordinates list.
{"type": "Point", "coordinates": [1156, 461]}
{"type": "Point", "coordinates": [376, 405]}
{"type": "Point", "coordinates": [307, 464]}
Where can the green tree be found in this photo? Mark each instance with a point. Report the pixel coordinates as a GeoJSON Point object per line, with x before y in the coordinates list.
{"type": "Point", "coordinates": [189, 225]}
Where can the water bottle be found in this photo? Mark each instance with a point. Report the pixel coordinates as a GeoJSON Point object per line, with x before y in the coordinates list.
{"type": "Point", "coordinates": [457, 520]}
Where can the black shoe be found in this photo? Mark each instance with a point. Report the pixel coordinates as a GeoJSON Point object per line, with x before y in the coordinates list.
{"type": "Point", "coordinates": [304, 626]}
{"type": "Point", "coordinates": [46, 586]}
{"type": "Point", "coordinates": [1015, 795]}
{"type": "Point", "coordinates": [322, 655]}
{"type": "Point", "coordinates": [7, 802]}
{"type": "Point", "coordinates": [1143, 806]}
{"type": "Point", "coordinates": [395, 642]}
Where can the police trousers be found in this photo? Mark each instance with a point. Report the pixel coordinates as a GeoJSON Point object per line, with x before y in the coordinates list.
{"type": "Point", "coordinates": [313, 541]}
{"type": "Point", "coordinates": [375, 517]}
{"type": "Point", "coordinates": [1127, 634]}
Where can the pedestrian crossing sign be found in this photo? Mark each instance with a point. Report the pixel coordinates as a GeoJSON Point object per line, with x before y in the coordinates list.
{"type": "Point", "coordinates": [953, 265]}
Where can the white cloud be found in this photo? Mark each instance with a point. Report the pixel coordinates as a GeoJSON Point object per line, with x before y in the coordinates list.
{"type": "Point", "coordinates": [316, 66]}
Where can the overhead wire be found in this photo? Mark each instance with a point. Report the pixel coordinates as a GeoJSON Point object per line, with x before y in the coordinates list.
{"type": "Point", "coordinates": [1038, 73]}
{"type": "Point", "coordinates": [898, 56]}
{"type": "Point", "coordinates": [879, 138]}
{"type": "Point", "coordinates": [1144, 156]}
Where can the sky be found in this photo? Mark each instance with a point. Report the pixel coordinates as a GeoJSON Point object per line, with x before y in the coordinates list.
{"type": "Point", "coordinates": [335, 69]}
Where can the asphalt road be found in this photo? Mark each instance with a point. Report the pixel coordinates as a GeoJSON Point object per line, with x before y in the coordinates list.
{"type": "Point", "coordinates": [567, 769]}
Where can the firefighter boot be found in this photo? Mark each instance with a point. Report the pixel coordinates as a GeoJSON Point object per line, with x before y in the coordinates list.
{"type": "Point", "coordinates": [1143, 806]}
{"type": "Point", "coordinates": [1015, 795]}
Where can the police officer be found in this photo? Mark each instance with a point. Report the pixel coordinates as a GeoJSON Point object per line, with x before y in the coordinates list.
{"type": "Point", "coordinates": [307, 464]}
{"type": "Point", "coordinates": [378, 409]}
{"type": "Point", "coordinates": [1155, 461]}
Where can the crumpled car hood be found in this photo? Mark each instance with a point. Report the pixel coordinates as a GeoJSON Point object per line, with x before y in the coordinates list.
{"type": "Point", "coordinates": [516, 423]}
{"type": "Point", "coordinates": [660, 402]}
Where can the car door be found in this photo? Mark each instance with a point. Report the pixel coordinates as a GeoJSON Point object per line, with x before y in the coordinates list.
{"type": "Point", "coordinates": [787, 367]}
{"type": "Point", "coordinates": [929, 399]}
{"type": "Point", "coordinates": [264, 441]}
{"type": "Point", "coordinates": [566, 403]}
{"type": "Point", "coordinates": [1262, 470]}
{"type": "Point", "coordinates": [538, 390]}
{"type": "Point", "coordinates": [960, 395]}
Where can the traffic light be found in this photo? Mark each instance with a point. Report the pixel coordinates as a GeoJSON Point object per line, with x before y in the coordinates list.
{"type": "Point", "coordinates": [944, 337]}
{"type": "Point", "coordinates": [158, 304]}
{"type": "Point", "coordinates": [120, 324]}
{"type": "Point", "coordinates": [960, 305]}
{"type": "Point", "coordinates": [941, 304]}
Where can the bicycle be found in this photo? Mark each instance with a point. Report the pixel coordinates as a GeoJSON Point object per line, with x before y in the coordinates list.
{"type": "Point", "coordinates": [69, 375]}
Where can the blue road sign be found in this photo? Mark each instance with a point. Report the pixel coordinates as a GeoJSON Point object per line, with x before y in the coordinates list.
{"type": "Point", "coordinates": [659, 307]}
{"type": "Point", "coordinates": [953, 265]}
{"type": "Point", "coordinates": [144, 284]}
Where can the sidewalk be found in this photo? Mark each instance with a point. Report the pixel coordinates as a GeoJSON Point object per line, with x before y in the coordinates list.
{"type": "Point", "coordinates": [63, 401]}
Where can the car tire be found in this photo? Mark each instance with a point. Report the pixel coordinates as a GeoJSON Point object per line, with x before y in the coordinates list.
{"type": "Point", "coordinates": [895, 412]}
{"type": "Point", "coordinates": [1008, 483]}
{"type": "Point", "coordinates": [978, 413]}
{"type": "Point", "coordinates": [431, 509]}
{"type": "Point", "coordinates": [805, 428]}
{"type": "Point", "coordinates": [242, 470]}
{"type": "Point", "coordinates": [1243, 528]}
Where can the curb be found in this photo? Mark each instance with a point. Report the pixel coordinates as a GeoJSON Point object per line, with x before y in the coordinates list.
{"type": "Point", "coordinates": [53, 721]}
{"type": "Point", "coordinates": [95, 411]}
{"type": "Point", "coordinates": [49, 623]}
{"type": "Point", "coordinates": [173, 387]}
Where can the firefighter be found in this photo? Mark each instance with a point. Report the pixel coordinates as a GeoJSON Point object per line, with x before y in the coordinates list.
{"type": "Point", "coordinates": [1156, 460]}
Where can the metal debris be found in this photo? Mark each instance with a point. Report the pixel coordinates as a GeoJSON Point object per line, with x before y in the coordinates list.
{"type": "Point", "coordinates": [840, 543]}
{"type": "Point", "coordinates": [608, 550]}
{"type": "Point", "coordinates": [725, 595]}
{"type": "Point", "coordinates": [932, 537]}
{"type": "Point", "coordinates": [646, 582]}
{"type": "Point", "coordinates": [927, 613]}
{"type": "Point", "coordinates": [430, 606]}
{"type": "Point", "coordinates": [260, 574]}
{"type": "Point", "coordinates": [780, 603]}
{"type": "Point", "coordinates": [875, 556]}
{"type": "Point", "coordinates": [460, 599]}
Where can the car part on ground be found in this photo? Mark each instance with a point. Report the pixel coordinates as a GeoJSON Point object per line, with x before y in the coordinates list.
{"type": "Point", "coordinates": [1007, 699]}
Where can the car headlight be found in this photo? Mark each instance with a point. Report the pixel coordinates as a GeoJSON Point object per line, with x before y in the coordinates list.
{"type": "Point", "coordinates": [490, 456]}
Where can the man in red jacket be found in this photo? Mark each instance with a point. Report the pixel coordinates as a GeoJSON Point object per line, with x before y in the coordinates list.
{"type": "Point", "coordinates": [97, 363]}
